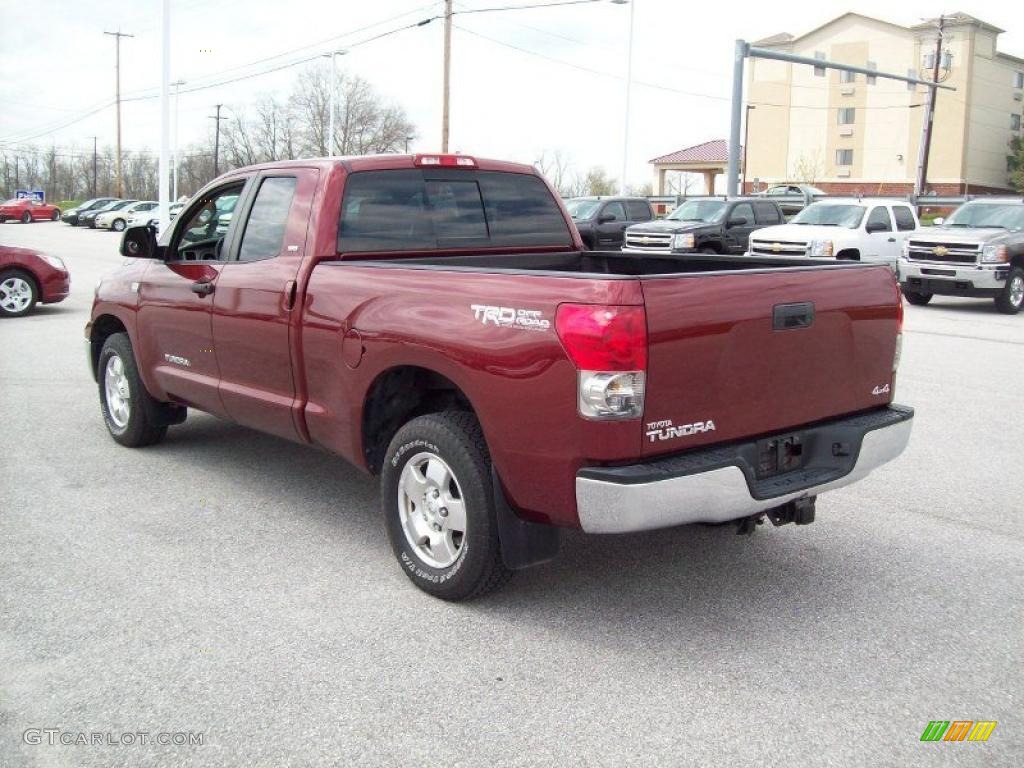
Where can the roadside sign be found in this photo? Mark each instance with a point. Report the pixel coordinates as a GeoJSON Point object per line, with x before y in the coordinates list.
{"type": "Point", "coordinates": [38, 195]}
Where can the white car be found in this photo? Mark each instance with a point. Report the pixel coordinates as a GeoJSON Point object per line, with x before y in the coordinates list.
{"type": "Point", "coordinates": [152, 216]}
{"type": "Point", "coordinates": [842, 228]}
{"type": "Point", "coordinates": [118, 220]}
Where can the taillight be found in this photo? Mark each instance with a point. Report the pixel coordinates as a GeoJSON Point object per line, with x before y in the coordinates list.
{"type": "Point", "coordinates": [444, 161]}
{"type": "Point", "coordinates": [608, 344]}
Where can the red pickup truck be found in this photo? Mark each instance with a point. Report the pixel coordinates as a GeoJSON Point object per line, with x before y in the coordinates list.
{"type": "Point", "coordinates": [433, 320]}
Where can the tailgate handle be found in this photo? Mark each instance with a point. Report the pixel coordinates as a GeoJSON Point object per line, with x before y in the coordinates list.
{"type": "Point", "coordinates": [786, 317]}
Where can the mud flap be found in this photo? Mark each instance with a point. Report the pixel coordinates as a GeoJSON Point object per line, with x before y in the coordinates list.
{"type": "Point", "coordinates": [523, 544]}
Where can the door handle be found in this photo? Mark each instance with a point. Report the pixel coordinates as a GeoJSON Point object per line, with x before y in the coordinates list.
{"type": "Point", "coordinates": [202, 288]}
{"type": "Point", "coordinates": [892, 239]}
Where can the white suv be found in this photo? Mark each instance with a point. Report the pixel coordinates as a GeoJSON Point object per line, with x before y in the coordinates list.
{"type": "Point", "coordinates": [841, 228]}
{"type": "Point", "coordinates": [118, 220]}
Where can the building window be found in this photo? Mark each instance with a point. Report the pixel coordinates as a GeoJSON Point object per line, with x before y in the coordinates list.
{"type": "Point", "coordinates": [1018, 79]}
{"type": "Point", "coordinates": [847, 77]}
{"type": "Point", "coordinates": [1015, 123]}
{"type": "Point", "coordinates": [844, 157]}
{"type": "Point", "coordinates": [819, 71]}
{"type": "Point", "coordinates": [847, 116]}
{"type": "Point", "coordinates": [871, 79]}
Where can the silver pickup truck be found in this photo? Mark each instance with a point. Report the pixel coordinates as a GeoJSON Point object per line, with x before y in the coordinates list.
{"type": "Point", "coordinates": [977, 252]}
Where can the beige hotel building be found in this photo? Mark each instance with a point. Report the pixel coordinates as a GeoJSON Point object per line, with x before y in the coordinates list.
{"type": "Point", "coordinates": [850, 133]}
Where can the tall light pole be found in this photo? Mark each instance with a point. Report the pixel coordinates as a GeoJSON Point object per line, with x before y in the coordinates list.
{"type": "Point", "coordinates": [447, 72]}
{"type": "Point", "coordinates": [329, 144]}
{"type": "Point", "coordinates": [746, 139]}
{"type": "Point", "coordinates": [174, 152]}
{"type": "Point", "coordinates": [629, 90]}
{"type": "Point", "coordinates": [117, 90]}
{"type": "Point", "coordinates": [163, 166]}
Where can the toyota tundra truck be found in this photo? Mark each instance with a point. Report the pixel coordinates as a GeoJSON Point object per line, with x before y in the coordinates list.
{"type": "Point", "coordinates": [433, 320]}
{"type": "Point", "coordinates": [977, 252]}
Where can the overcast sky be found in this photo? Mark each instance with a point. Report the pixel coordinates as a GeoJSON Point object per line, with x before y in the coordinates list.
{"type": "Point", "coordinates": [523, 82]}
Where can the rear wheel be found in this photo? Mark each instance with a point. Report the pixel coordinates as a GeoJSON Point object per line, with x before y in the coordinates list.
{"type": "Point", "coordinates": [438, 506]}
{"type": "Point", "coordinates": [1010, 301]}
{"type": "Point", "coordinates": [132, 416]}
{"type": "Point", "coordinates": [26, 218]}
{"type": "Point", "coordinates": [118, 225]}
{"type": "Point", "coordinates": [17, 293]}
{"type": "Point", "coordinates": [707, 249]}
{"type": "Point", "coordinates": [55, 216]}
{"type": "Point", "coordinates": [917, 299]}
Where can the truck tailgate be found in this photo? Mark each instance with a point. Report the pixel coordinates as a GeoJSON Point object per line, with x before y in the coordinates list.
{"type": "Point", "coordinates": [726, 349]}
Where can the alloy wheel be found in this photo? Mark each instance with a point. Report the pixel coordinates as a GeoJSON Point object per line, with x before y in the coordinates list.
{"type": "Point", "coordinates": [119, 396]}
{"type": "Point", "coordinates": [432, 510]}
{"type": "Point", "coordinates": [15, 295]}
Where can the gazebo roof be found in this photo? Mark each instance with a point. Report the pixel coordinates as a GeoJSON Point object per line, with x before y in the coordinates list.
{"type": "Point", "coordinates": [714, 151]}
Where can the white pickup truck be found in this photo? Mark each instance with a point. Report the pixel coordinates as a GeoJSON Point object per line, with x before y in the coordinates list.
{"type": "Point", "coordinates": [844, 228]}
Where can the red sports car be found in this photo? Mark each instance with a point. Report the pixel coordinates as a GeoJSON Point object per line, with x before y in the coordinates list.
{"type": "Point", "coordinates": [27, 277]}
{"type": "Point", "coordinates": [27, 211]}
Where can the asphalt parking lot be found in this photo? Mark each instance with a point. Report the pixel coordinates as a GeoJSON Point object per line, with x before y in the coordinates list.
{"type": "Point", "coordinates": [237, 585]}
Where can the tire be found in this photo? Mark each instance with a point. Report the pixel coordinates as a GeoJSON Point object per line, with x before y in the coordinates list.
{"type": "Point", "coordinates": [708, 250]}
{"type": "Point", "coordinates": [55, 216]}
{"type": "Point", "coordinates": [3, 219]}
{"type": "Point", "coordinates": [917, 299]}
{"type": "Point", "coordinates": [436, 479]}
{"type": "Point", "coordinates": [18, 293]}
{"type": "Point", "coordinates": [26, 218]}
{"type": "Point", "coordinates": [132, 416]}
{"type": "Point", "coordinates": [1010, 301]}
{"type": "Point", "coordinates": [118, 225]}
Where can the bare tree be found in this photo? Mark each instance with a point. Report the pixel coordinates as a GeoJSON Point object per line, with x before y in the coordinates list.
{"type": "Point", "coordinates": [556, 168]}
{"type": "Point", "coordinates": [808, 168]}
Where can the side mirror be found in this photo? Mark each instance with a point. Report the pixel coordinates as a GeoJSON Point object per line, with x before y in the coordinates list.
{"type": "Point", "coordinates": [140, 243]}
{"type": "Point", "coordinates": [938, 222]}
{"type": "Point", "coordinates": [605, 218]}
{"type": "Point", "coordinates": [739, 221]}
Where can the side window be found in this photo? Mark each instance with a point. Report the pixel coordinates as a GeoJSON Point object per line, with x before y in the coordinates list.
{"type": "Point", "coordinates": [743, 211]}
{"type": "Point", "coordinates": [264, 230]}
{"type": "Point", "coordinates": [777, 191]}
{"type": "Point", "coordinates": [904, 218]}
{"type": "Point", "coordinates": [880, 217]}
{"type": "Point", "coordinates": [614, 209]}
{"type": "Point", "coordinates": [767, 213]}
{"type": "Point", "coordinates": [205, 224]}
{"type": "Point", "coordinates": [638, 211]}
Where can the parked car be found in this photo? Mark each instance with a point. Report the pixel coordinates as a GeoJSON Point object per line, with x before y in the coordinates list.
{"type": "Point", "coordinates": [789, 207]}
{"type": "Point", "coordinates": [152, 217]}
{"type": "Point", "coordinates": [602, 221]}
{"type": "Point", "coordinates": [27, 210]}
{"type": "Point", "coordinates": [842, 228]}
{"type": "Point", "coordinates": [88, 219]}
{"type": "Point", "coordinates": [978, 252]}
{"type": "Point", "coordinates": [704, 226]}
{"type": "Point", "coordinates": [433, 320]}
{"type": "Point", "coordinates": [28, 277]}
{"type": "Point", "coordinates": [71, 215]}
{"type": "Point", "coordinates": [117, 218]}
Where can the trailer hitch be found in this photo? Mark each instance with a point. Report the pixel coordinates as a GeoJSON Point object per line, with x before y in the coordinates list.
{"type": "Point", "coordinates": [799, 511]}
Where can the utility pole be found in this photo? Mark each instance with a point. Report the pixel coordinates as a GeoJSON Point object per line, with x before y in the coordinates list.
{"type": "Point", "coordinates": [216, 142]}
{"type": "Point", "coordinates": [447, 72]}
{"type": "Point", "coordinates": [929, 116]}
{"type": "Point", "coordinates": [174, 155]}
{"type": "Point", "coordinates": [94, 139]}
{"type": "Point", "coordinates": [746, 143]}
{"type": "Point", "coordinates": [117, 75]}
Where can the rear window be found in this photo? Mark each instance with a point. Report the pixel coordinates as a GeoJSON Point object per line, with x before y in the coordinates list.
{"type": "Point", "coordinates": [411, 210]}
{"type": "Point", "coordinates": [767, 213]}
{"type": "Point", "coordinates": [638, 211]}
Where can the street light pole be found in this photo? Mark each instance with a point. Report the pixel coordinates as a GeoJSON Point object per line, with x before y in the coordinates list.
{"type": "Point", "coordinates": [332, 100]}
{"type": "Point", "coordinates": [629, 90]}
{"type": "Point", "coordinates": [174, 155]}
{"type": "Point", "coordinates": [163, 166]}
{"type": "Point", "coordinates": [746, 143]}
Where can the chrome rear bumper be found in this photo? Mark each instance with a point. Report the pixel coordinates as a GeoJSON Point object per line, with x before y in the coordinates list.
{"type": "Point", "coordinates": [719, 484]}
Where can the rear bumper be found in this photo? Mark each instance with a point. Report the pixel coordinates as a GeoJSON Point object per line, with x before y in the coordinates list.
{"type": "Point", "coordinates": [720, 484]}
{"type": "Point", "coordinates": [953, 279]}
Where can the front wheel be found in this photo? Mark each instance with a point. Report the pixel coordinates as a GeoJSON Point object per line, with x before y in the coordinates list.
{"type": "Point", "coordinates": [26, 218]}
{"type": "Point", "coordinates": [118, 225]}
{"type": "Point", "coordinates": [17, 293]}
{"type": "Point", "coordinates": [438, 506]}
{"type": "Point", "coordinates": [55, 216]}
{"type": "Point", "coordinates": [917, 299]}
{"type": "Point", "coordinates": [1010, 301]}
{"type": "Point", "coordinates": [132, 416]}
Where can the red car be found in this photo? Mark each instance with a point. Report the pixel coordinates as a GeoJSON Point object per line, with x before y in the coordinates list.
{"type": "Point", "coordinates": [27, 277]}
{"type": "Point", "coordinates": [27, 211]}
{"type": "Point", "coordinates": [434, 320]}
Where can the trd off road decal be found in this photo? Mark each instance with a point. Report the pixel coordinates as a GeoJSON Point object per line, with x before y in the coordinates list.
{"type": "Point", "coordinates": [510, 317]}
{"type": "Point", "coordinates": [666, 430]}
